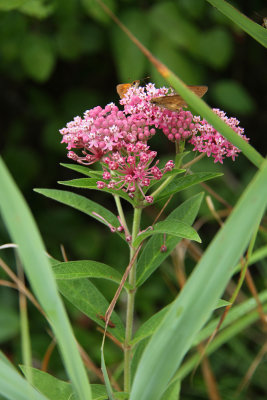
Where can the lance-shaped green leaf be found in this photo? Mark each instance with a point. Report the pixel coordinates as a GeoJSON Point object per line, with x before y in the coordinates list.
{"type": "Point", "coordinates": [83, 204]}
{"type": "Point", "coordinates": [246, 24]}
{"type": "Point", "coordinates": [83, 170]}
{"type": "Point", "coordinates": [192, 308]}
{"type": "Point", "coordinates": [25, 234]}
{"type": "Point", "coordinates": [56, 389]}
{"type": "Point", "coordinates": [151, 257]}
{"type": "Point", "coordinates": [88, 299]}
{"type": "Point", "coordinates": [87, 269]}
{"type": "Point", "coordinates": [173, 227]}
{"type": "Point", "coordinates": [91, 183]}
{"type": "Point", "coordinates": [13, 386]}
{"type": "Point", "coordinates": [181, 183]}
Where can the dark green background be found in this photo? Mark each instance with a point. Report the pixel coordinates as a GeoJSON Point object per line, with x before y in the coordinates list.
{"type": "Point", "coordinates": [59, 58]}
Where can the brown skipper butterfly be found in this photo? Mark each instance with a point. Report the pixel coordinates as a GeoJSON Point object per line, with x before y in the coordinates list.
{"type": "Point", "coordinates": [174, 102]}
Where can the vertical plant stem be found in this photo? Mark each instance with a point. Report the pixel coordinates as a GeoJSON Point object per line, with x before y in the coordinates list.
{"type": "Point", "coordinates": [121, 214]}
{"type": "Point", "coordinates": [130, 306]}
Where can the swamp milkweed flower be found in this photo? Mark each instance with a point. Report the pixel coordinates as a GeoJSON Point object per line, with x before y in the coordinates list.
{"type": "Point", "coordinates": [118, 139]}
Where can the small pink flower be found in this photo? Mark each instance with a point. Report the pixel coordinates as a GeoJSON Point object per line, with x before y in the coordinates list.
{"type": "Point", "coordinates": [101, 185]}
{"type": "Point", "coordinates": [149, 199]}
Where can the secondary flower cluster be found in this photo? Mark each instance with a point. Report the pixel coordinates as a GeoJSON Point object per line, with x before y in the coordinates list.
{"type": "Point", "coordinates": [118, 139]}
{"type": "Point", "coordinates": [206, 139]}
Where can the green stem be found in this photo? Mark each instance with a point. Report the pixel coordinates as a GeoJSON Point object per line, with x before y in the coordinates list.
{"type": "Point", "coordinates": [121, 214]}
{"type": "Point", "coordinates": [130, 306]}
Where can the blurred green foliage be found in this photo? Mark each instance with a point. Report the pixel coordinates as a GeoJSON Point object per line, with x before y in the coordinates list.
{"type": "Point", "coordinates": [59, 58]}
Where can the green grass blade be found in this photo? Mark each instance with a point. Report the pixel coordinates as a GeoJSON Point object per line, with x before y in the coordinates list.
{"type": "Point", "coordinates": [105, 374]}
{"type": "Point", "coordinates": [14, 387]}
{"type": "Point", "coordinates": [173, 391]}
{"type": "Point", "coordinates": [192, 308]}
{"type": "Point", "coordinates": [25, 234]}
{"type": "Point", "coordinates": [256, 31]}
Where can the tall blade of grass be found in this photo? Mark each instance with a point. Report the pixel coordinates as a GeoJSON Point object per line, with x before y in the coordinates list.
{"type": "Point", "coordinates": [105, 373]}
{"type": "Point", "coordinates": [25, 234]}
{"type": "Point", "coordinates": [192, 308]}
{"type": "Point", "coordinates": [255, 30]}
{"type": "Point", "coordinates": [14, 387]}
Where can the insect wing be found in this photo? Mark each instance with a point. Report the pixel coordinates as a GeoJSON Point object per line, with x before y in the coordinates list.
{"type": "Point", "coordinates": [171, 102]}
{"type": "Point", "coordinates": [174, 102]}
{"type": "Point", "coordinates": [123, 88]}
{"type": "Point", "coordinates": [199, 90]}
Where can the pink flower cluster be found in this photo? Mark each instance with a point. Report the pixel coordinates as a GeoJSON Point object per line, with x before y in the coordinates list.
{"type": "Point", "coordinates": [175, 125]}
{"type": "Point", "coordinates": [102, 131]}
{"type": "Point", "coordinates": [206, 139]}
{"type": "Point", "coordinates": [118, 139]}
